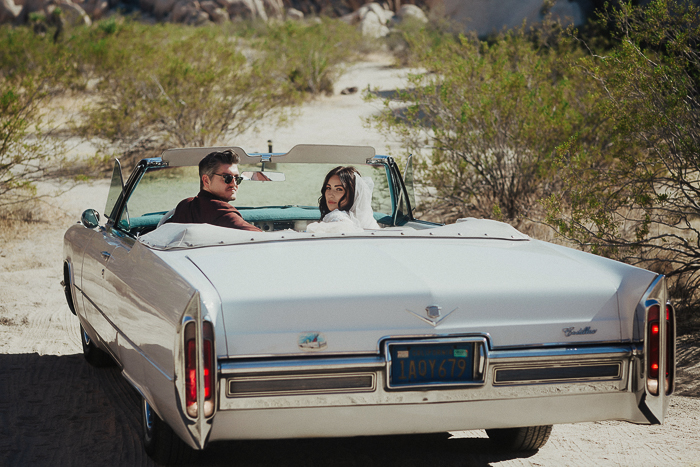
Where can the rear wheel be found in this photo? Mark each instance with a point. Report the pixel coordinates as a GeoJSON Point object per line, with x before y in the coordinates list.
{"type": "Point", "coordinates": [160, 441]}
{"type": "Point", "coordinates": [528, 438]}
{"type": "Point", "coordinates": [93, 354]}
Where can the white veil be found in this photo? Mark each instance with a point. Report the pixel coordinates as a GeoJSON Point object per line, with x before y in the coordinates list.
{"type": "Point", "coordinates": [361, 209]}
{"type": "Point", "coordinates": [360, 216]}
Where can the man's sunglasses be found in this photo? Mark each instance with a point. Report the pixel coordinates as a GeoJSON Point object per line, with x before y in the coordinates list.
{"type": "Point", "coordinates": [228, 178]}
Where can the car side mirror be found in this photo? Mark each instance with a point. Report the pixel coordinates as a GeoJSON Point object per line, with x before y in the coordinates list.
{"type": "Point", "coordinates": [90, 218]}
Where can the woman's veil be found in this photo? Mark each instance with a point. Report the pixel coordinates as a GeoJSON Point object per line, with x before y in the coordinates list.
{"type": "Point", "coordinates": [361, 209]}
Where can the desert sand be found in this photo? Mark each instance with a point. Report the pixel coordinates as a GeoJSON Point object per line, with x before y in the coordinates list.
{"type": "Point", "coordinates": [56, 410]}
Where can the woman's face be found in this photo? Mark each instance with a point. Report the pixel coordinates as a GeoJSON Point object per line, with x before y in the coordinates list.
{"type": "Point", "coordinates": [333, 192]}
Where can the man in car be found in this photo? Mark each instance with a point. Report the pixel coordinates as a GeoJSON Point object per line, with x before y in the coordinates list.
{"type": "Point", "coordinates": [218, 184]}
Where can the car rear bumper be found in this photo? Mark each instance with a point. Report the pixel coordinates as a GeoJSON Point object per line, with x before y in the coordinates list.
{"type": "Point", "coordinates": [350, 396]}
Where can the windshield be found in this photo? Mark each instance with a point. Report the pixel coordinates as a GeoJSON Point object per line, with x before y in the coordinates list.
{"type": "Point", "coordinates": [162, 188]}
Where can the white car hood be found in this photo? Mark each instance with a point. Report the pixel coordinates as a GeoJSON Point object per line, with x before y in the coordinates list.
{"type": "Point", "coordinates": [347, 294]}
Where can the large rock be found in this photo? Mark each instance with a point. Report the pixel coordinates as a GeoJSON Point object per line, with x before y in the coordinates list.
{"type": "Point", "coordinates": [411, 13]}
{"type": "Point", "coordinates": [373, 25]}
{"type": "Point", "coordinates": [31, 6]}
{"type": "Point", "coordinates": [95, 9]}
{"type": "Point", "coordinates": [294, 14]}
{"type": "Point", "coordinates": [9, 11]}
{"type": "Point", "coordinates": [182, 10]}
{"type": "Point", "coordinates": [161, 8]}
{"type": "Point", "coordinates": [245, 9]}
{"type": "Point", "coordinates": [273, 8]}
{"type": "Point", "coordinates": [215, 12]}
{"type": "Point", "coordinates": [73, 15]}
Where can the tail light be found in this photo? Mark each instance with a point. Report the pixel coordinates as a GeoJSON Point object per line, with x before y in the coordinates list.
{"type": "Point", "coordinates": [191, 369]}
{"type": "Point", "coordinates": [659, 349]}
{"type": "Point", "coordinates": [653, 349]}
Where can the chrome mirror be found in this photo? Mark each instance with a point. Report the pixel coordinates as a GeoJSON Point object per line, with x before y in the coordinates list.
{"type": "Point", "coordinates": [90, 218]}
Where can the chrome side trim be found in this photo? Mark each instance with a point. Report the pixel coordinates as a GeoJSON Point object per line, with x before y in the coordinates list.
{"type": "Point", "coordinates": [563, 353]}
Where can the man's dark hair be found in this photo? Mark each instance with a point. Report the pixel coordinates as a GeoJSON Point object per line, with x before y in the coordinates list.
{"type": "Point", "coordinates": [209, 165]}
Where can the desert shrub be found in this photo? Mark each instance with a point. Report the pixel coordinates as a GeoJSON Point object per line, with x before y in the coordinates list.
{"type": "Point", "coordinates": [32, 70]}
{"type": "Point", "coordinates": [311, 55]}
{"type": "Point", "coordinates": [486, 117]}
{"type": "Point", "coordinates": [173, 86]}
{"type": "Point", "coordinates": [644, 207]}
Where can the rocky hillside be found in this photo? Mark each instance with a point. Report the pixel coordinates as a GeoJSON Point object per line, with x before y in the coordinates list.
{"type": "Point", "coordinates": [197, 12]}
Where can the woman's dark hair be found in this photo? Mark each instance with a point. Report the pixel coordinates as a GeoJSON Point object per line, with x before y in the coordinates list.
{"type": "Point", "coordinates": [347, 179]}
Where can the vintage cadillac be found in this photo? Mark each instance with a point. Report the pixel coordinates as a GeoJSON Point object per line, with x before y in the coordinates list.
{"type": "Point", "coordinates": [414, 327]}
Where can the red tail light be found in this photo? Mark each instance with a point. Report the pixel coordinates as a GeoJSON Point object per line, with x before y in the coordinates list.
{"type": "Point", "coordinates": [653, 349]}
{"type": "Point", "coordinates": [191, 369]}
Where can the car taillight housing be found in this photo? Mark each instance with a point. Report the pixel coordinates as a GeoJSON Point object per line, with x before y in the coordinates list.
{"type": "Point", "coordinates": [192, 364]}
{"type": "Point", "coordinates": [660, 349]}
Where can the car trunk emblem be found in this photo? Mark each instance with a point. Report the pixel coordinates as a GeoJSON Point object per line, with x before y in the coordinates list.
{"type": "Point", "coordinates": [312, 341]}
{"type": "Point", "coordinates": [433, 316]}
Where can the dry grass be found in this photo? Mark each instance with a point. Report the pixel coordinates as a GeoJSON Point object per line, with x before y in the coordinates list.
{"type": "Point", "coordinates": [18, 221]}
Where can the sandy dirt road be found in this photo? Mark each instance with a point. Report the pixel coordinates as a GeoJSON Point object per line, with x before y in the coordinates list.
{"type": "Point", "coordinates": [57, 410]}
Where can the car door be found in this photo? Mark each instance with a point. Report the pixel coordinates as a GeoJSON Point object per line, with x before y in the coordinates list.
{"type": "Point", "coordinates": [95, 264]}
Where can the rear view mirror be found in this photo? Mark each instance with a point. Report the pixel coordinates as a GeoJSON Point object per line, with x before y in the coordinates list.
{"type": "Point", "coordinates": [263, 176]}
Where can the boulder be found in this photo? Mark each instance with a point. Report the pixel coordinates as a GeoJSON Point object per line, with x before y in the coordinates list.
{"type": "Point", "coordinates": [294, 14]}
{"type": "Point", "coordinates": [31, 6]}
{"type": "Point", "coordinates": [161, 8]}
{"type": "Point", "coordinates": [245, 9]}
{"type": "Point", "coordinates": [383, 15]}
{"type": "Point", "coordinates": [9, 11]}
{"type": "Point", "coordinates": [215, 12]}
{"type": "Point", "coordinates": [273, 8]}
{"type": "Point", "coordinates": [182, 10]}
{"type": "Point", "coordinates": [372, 25]}
{"type": "Point", "coordinates": [95, 9]}
{"type": "Point", "coordinates": [73, 15]}
{"type": "Point", "coordinates": [411, 13]}
{"type": "Point", "coordinates": [219, 16]}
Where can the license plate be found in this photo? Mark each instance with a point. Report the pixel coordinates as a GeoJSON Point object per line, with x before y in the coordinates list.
{"type": "Point", "coordinates": [418, 364]}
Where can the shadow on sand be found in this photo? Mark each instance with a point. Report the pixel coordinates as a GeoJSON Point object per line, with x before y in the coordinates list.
{"type": "Point", "coordinates": [58, 410]}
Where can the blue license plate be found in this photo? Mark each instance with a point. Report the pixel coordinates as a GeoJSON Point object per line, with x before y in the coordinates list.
{"type": "Point", "coordinates": [418, 364]}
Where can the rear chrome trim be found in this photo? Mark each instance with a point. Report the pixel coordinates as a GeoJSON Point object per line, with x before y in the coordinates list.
{"type": "Point", "coordinates": [589, 371]}
{"type": "Point", "coordinates": [249, 386]}
{"type": "Point", "coordinates": [308, 365]}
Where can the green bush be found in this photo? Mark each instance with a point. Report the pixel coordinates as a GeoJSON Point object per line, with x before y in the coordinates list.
{"type": "Point", "coordinates": [169, 85]}
{"type": "Point", "coordinates": [487, 117]}
{"type": "Point", "coordinates": [311, 55]}
{"type": "Point", "coordinates": [644, 207]}
{"type": "Point", "coordinates": [32, 71]}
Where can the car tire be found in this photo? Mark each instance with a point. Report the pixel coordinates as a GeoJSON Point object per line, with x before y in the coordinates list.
{"type": "Point", "coordinates": [529, 438]}
{"type": "Point", "coordinates": [160, 441]}
{"type": "Point", "coordinates": [93, 354]}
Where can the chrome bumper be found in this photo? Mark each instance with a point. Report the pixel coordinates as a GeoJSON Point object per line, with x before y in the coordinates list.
{"type": "Point", "coordinates": [362, 381]}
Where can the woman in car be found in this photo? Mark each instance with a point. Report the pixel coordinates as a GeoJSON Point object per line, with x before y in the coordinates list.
{"type": "Point", "coordinates": [345, 203]}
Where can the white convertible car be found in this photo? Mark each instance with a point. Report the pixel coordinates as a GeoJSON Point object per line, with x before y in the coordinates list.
{"type": "Point", "coordinates": [414, 327]}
